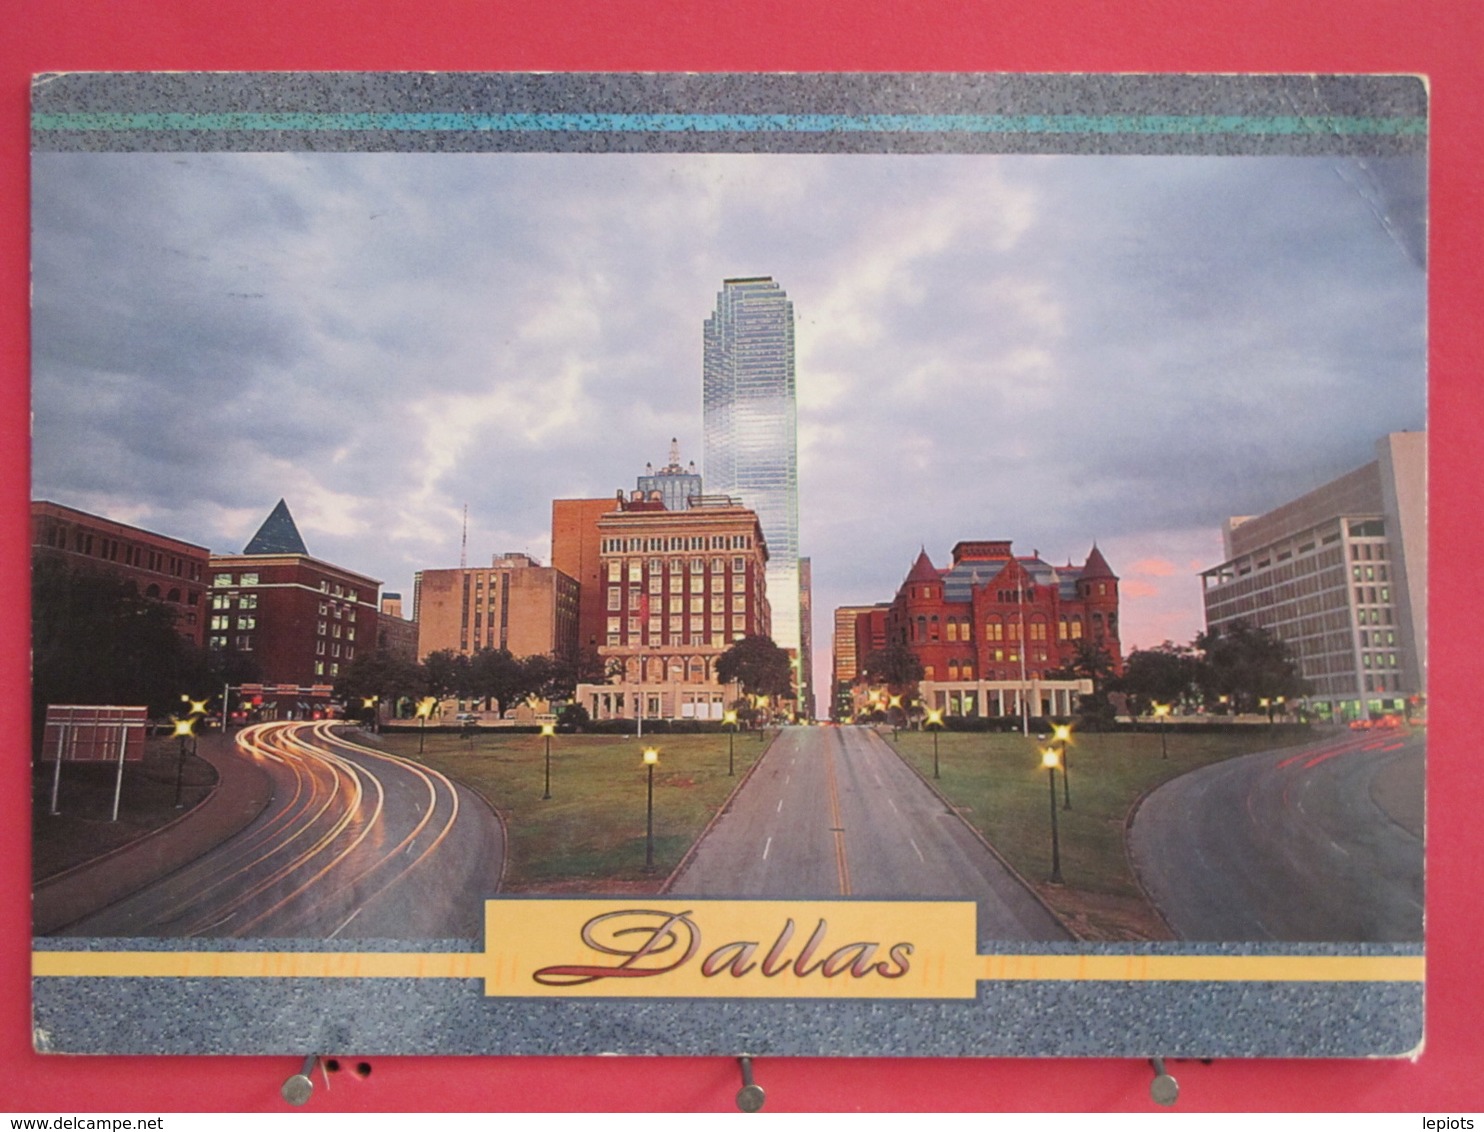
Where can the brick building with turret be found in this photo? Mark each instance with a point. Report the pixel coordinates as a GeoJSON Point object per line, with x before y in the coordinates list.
{"type": "Point", "coordinates": [991, 627]}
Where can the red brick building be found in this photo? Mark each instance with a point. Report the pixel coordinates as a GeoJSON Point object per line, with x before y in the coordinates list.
{"type": "Point", "coordinates": [300, 619]}
{"type": "Point", "coordinates": [991, 626]}
{"type": "Point", "coordinates": [163, 569]}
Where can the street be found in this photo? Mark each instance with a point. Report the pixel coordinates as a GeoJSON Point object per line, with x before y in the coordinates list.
{"type": "Point", "coordinates": [1323, 843]}
{"type": "Point", "coordinates": [355, 843]}
{"type": "Point", "coordinates": [834, 812]}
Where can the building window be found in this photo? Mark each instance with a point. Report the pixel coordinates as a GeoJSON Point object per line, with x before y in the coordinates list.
{"type": "Point", "coordinates": [739, 603]}
{"type": "Point", "coordinates": [739, 565]}
{"type": "Point", "coordinates": [221, 579]}
{"type": "Point", "coordinates": [247, 622]}
{"type": "Point", "coordinates": [697, 565]}
{"type": "Point", "coordinates": [615, 598]}
{"type": "Point", "coordinates": [244, 644]}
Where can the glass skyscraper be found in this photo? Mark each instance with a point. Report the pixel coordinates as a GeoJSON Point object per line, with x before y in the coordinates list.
{"type": "Point", "coordinates": [751, 424]}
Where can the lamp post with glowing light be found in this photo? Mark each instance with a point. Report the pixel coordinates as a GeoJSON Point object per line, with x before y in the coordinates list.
{"type": "Point", "coordinates": [547, 731]}
{"type": "Point", "coordinates": [730, 722]}
{"type": "Point", "coordinates": [1162, 713]}
{"type": "Point", "coordinates": [1050, 760]}
{"type": "Point", "coordinates": [896, 702]}
{"type": "Point", "coordinates": [368, 703]}
{"type": "Point", "coordinates": [184, 729]}
{"type": "Point", "coordinates": [651, 757]}
{"type": "Point", "coordinates": [424, 709]}
{"type": "Point", "coordinates": [935, 721]}
{"type": "Point", "coordinates": [1061, 735]}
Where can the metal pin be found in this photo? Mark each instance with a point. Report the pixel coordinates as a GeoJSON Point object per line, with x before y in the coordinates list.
{"type": "Point", "coordinates": [1164, 1089]}
{"type": "Point", "coordinates": [300, 1087]}
{"type": "Point", "coordinates": [750, 1096]}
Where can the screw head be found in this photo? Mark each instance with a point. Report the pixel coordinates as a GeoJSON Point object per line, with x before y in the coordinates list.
{"type": "Point", "coordinates": [298, 1089]}
{"type": "Point", "coordinates": [750, 1098]}
{"type": "Point", "coordinates": [1164, 1089]}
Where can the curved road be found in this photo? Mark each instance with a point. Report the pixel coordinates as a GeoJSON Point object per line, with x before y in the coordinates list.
{"type": "Point", "coordinates": [356, 843]}
{"type": "Point", "coordinates": [1319, 844]}
{"type": "Point", "coordinates": [833, 812]}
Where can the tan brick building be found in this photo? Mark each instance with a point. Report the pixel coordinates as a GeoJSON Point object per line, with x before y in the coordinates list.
{"type": "Point", "coordinates": [514, 604]}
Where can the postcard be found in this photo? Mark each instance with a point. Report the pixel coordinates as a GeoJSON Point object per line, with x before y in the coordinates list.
{"type": "Point", "coordinates": [797, 565]}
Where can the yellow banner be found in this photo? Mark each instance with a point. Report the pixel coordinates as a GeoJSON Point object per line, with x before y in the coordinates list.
{"type": "Point", "coordinates": [730, 949]}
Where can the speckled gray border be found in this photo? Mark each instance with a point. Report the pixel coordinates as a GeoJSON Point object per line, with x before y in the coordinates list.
{"type": "Point", "coordinates": [812, 113]}
{"type": "Point", "coordinates": [802, 113]}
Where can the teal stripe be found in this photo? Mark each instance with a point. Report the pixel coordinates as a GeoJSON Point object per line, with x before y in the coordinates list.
{"type": "Point", "coordinates": [1200, 124]}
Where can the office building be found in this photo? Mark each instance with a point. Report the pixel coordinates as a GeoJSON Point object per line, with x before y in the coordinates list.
{"type": "Point", "coordinates": [678, 588]}
{"type": "Point", "coordinates": [750, 428]}
{"type": "Point", "coordinates": [1340, 574]}
{"type": "Point", "coordinates": [514, 604]}
{"type": "Point", "coordinates": [575, 544]}
{"type": "Point", "coordinates": [300, 619]}
{"type": "Point", "coordinates": [161, 568]}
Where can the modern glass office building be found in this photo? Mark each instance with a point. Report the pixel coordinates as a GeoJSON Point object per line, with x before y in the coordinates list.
{"type": "Point", "coordinates": [751, 424]}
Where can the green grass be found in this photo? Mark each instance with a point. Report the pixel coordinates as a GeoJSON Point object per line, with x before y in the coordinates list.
{"type": "Point", "coordinates": [1002, 790]}
{"type": "Point", "coordinates": [592, 830]}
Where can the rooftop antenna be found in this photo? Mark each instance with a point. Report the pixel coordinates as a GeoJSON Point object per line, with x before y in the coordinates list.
{"type": "Point", "coordinates": [464, 543]}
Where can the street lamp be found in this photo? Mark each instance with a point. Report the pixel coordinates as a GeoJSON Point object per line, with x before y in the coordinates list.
{"type": "Point", "coordinates": [368, 703]}
{"type": "Point", "coordinates": [896, 702]}
{"type": "Point", "coordinates": [651, 757]}
{"type": "Point", "coordinates": [1267, 705]}
{"type": "Point", "coordinates": [424, 709]}
{"type": "Point", "coordinates": [1050, 760]}
{"type": "Point", "coordinates": [729, 720]}
{"type": "Point", "coordinates": [935, 721]}
{"type": "Point", "coordinates": [547, 731]}
{"type": "Point", "coordinates": [184, 729]}
{"type": "Point", "coordinates": [1162, 713]}
{"type": "Point", "coordinates": [1061, 734]}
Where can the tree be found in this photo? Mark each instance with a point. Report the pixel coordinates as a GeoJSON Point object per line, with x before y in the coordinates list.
{"type": "Point", "coordinates": [1090, 661]}
{"type": "Point", "coordinates": [1166, 674]}
{"type": "Point", "coordinates": [95, 640]}
{"type": "Point", "coordinates": [1247, 663]}
{"type": "Point", "coordinates": [496, 675]}
{"type": "Point", "coordinates": [378, 673]}
{"type": "Point", "coordinates": [445, 674]}
{"type": "Point", "coordinates": [896, 666]}
{"type": "Point", "coordinates": [760, 666]}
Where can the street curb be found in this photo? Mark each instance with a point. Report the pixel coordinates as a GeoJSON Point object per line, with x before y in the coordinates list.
{"type": "Point", "coordinates": [716, 817]}
{"type": "Point", "coordinates": [979, 837]}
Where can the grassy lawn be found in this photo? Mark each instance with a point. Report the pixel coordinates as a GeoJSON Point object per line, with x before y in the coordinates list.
{"type": "Point", "coordinates": [82, 829]}
{"type": "Point", "coordinates": [997, 782]}
{"type": "Point", "coordinates": [591, 834]}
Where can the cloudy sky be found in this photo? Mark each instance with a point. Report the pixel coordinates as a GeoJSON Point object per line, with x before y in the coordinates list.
{"type": "Point", "coordinates": [1054, 350]}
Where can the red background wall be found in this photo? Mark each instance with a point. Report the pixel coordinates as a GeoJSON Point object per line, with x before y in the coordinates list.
{"type": "Point", "coordinates": [1443, 39]}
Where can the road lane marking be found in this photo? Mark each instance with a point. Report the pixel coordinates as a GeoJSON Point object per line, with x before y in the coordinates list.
{"type": "Point", "coordinates": [892, 802]}
{"type": "Point", "coordinates": [837, 830]}
{"type": "Point", "coordinates": [766, 846]}
{"type": "Point", "coordinates": [779, 810]}
{"type": "Point", "coordinates": [916, 850]}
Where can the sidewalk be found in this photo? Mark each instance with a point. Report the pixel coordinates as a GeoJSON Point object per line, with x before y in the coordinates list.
{"type": "Point", "coordinates": [242, 791]}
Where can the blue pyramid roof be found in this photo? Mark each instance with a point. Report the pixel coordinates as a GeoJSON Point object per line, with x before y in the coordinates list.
{"type": "Point", "coordinates": [277, 535]}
